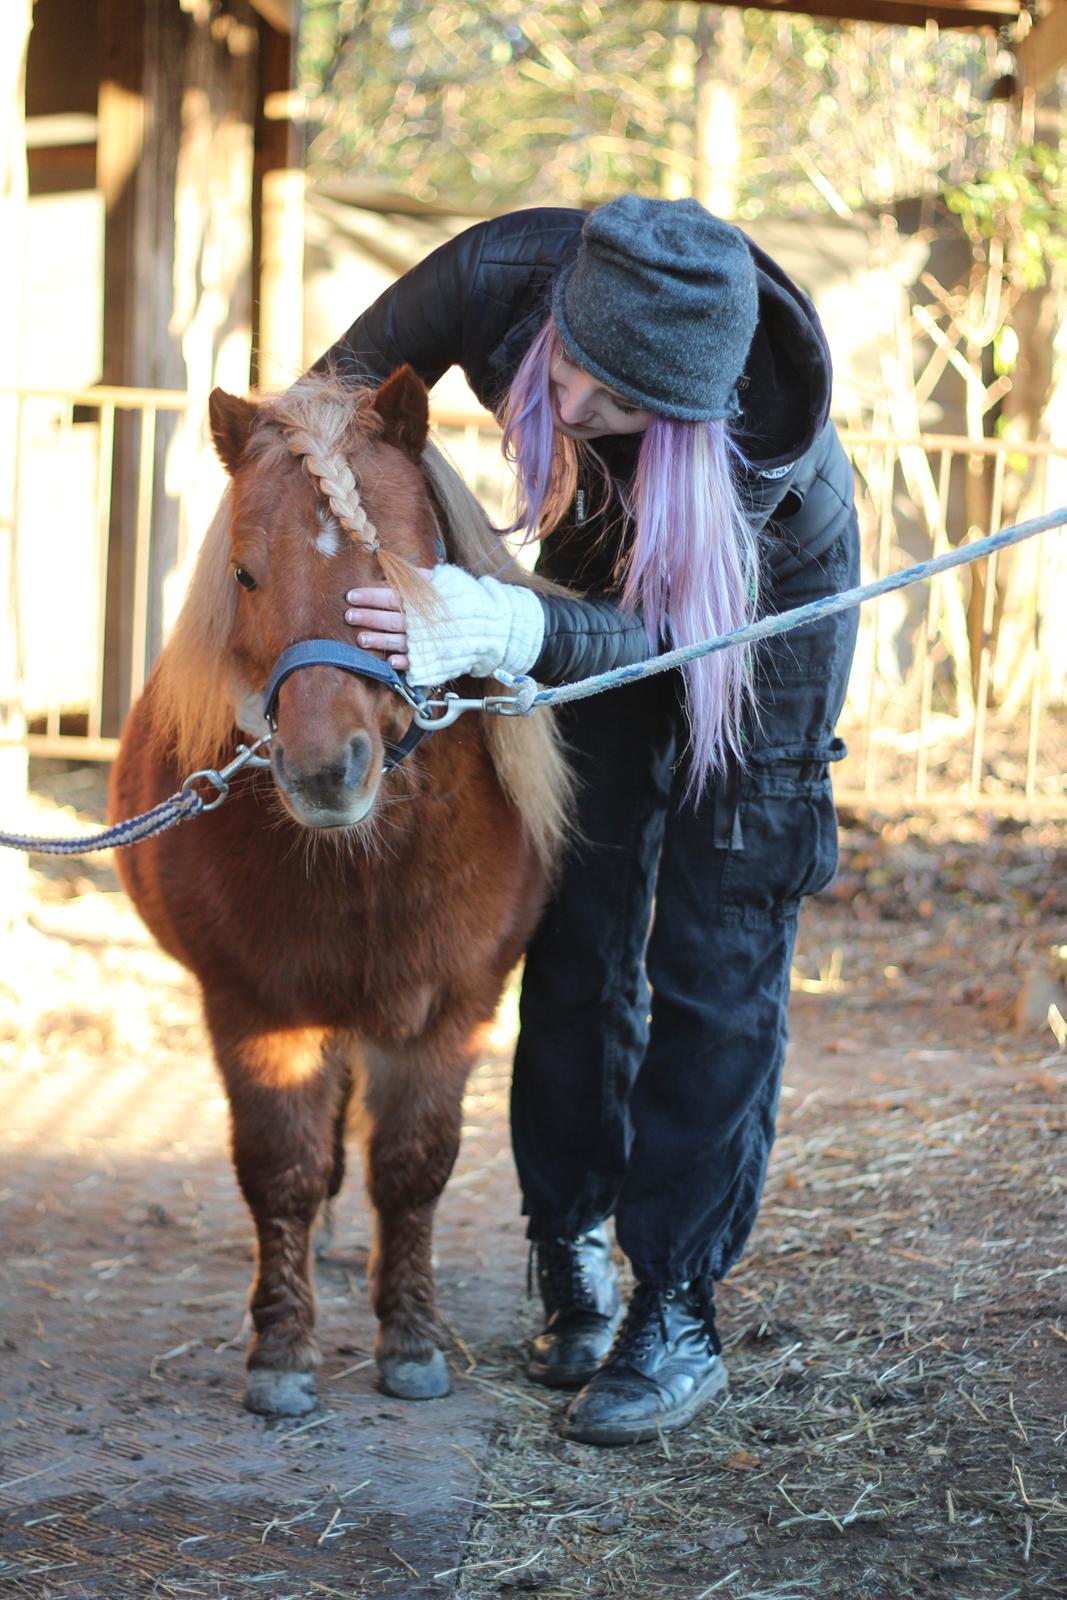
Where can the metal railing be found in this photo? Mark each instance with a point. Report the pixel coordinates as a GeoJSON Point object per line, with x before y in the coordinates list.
{"type": "Point", "coordinates": [933, 720]}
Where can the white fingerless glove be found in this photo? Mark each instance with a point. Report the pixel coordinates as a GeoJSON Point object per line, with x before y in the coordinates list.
{"type": "Point", "coordinates": [483, 625]}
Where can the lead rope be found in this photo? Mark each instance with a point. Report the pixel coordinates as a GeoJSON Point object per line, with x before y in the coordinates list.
{"type": "Point", "coordinates": [526, 695]}
{"type": "Point", "coordinates": [187, 802]}
{"type": "Point", "coordinates": [165, 815]}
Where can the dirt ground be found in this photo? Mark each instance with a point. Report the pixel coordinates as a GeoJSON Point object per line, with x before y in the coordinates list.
{"type": "Point", "coordinates": [896, 1334]}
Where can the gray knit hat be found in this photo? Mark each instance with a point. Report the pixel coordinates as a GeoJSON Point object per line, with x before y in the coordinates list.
{"type": "Point", "coordinates": [660, 305]}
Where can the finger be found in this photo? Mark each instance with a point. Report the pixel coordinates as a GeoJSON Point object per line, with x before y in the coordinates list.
{"type": "Point", "coordinates": [384, 599]}
{"type": "Point", "coordinates": [382, 641]}
{"type": "Point", "coordinates": [377, 599]}
{"type": "Point", "coordinates": [401, 663]}
{"type": "Point", "coordinates": [379, 621]}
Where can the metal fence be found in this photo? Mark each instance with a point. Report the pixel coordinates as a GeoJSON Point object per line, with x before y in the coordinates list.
{"type": "Point", "coordinates": [957, 698]}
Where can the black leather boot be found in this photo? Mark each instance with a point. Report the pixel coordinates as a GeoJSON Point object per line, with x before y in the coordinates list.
{"type": "Point", "coordinates": [580, 1290]}
{"type": "Point", "coordinates": [663, 1368]}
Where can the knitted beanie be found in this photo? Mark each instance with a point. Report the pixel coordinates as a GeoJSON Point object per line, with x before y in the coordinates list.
{"type": "Point", "coordinates": [660, 304]}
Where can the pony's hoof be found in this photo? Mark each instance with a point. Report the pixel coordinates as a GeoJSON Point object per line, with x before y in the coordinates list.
{"type": "Point", "coordinates": [414, 1380]}
{"type": "Point", "coordinates": [280, 1394]}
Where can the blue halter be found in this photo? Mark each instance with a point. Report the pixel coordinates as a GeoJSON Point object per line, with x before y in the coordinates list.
{"type": "Point", "coordinates": [349, 658]}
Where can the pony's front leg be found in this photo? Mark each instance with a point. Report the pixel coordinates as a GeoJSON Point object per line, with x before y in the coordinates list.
{"type": "Point", "coordinates": [285, 1096]}
{"type": "Point", "coordinates": [414, 1105]}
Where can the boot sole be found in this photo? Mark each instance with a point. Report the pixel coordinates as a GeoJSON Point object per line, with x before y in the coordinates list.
{"type": "Point", "coordinates": [716, 1387]}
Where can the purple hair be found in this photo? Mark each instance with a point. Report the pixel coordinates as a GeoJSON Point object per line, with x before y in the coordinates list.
{"type": "Point", "coordinates": [693, 569]}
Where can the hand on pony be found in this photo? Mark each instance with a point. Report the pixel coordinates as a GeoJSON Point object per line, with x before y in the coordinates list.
{"type": "Point", "coordinates": [482, 625]}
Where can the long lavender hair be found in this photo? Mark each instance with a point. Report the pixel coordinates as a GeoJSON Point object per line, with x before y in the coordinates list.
{"type": "Point", "coordinates": [693, 569]}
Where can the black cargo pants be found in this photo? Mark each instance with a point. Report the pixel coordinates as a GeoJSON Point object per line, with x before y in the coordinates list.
{"type": "Point", "coordinates": [653, 1011]}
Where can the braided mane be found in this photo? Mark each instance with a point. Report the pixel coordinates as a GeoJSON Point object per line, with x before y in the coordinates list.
{"type": "Point", "coordinates": [317, 422]}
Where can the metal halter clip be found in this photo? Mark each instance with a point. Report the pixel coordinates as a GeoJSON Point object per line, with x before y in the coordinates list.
{"type": "Point", "coordinates": [220, 781]}
{"type": "Point", "coordinates": [434, 714]}
{"type": "Point", "coordinates": [442, 713]}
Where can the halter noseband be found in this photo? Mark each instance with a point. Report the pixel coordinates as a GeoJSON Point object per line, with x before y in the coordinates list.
{"type": "Point", "coordinates": [361, 664]}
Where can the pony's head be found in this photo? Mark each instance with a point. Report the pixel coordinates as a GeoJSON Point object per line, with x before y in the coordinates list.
{"type": "Point", "coordinates": [320, 477]}
{"type": "Point", "coordinates": [327, 495]}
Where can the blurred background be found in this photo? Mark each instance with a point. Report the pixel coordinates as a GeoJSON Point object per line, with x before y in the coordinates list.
{"type": "Point", "coordinates": [209, 191]}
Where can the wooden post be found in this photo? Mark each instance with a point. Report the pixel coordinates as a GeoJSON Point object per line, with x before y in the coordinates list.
{"type": "Point", "coordinates": [122, 115]}
{"type": "Point", "coordinates": [279, 213]}
{"type": "Point", "coordinates": [16, 19]}
{"type": "Point", "coordinates": [175, 151]}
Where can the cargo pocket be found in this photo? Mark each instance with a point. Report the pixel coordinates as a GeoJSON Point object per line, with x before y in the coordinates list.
{"type": "Point", "coordinates": [784, 838]}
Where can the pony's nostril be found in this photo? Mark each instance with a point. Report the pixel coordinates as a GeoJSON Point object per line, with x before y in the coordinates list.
{"type": "Point", "coordinates": [277, 753]}
{"type": "Point", "coordinates": [359, 756]}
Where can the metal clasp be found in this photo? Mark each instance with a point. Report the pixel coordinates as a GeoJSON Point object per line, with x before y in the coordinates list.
{"type": "Point", "coordinates": [220, 781]}
{"type": "Point", "coordinates": [434, 714]}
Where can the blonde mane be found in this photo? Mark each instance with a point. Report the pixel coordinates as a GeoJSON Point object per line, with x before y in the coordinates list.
{"type": "Point", "coordinates": [317, 417]}
{"type": "Point", "coordinates": [197, 700]}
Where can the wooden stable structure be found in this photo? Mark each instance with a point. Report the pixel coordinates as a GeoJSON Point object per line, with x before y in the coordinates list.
{"type": "Point", "coordinates": [163, 110]}
{"type": "Point", "coordinates": [164, 253]}
{"type": "Point", "coordinates": [166, 233]}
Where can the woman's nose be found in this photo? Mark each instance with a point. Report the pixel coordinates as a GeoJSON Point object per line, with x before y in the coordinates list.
{"type": "Point", "coordinates": [574, 401]}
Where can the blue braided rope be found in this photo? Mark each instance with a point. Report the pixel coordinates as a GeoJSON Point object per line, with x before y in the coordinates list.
{"type": "Point", "coordinates": [165, 815]}
{"type": "Point", "coordinates": [786, 621]}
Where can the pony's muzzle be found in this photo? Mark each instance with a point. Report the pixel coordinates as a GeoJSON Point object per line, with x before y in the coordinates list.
{"type": "Point", "coordinates": [333, 793]}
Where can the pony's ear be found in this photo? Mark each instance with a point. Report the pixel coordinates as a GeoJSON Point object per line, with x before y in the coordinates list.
{"type": "Point", "coordinates": [231, 419]}
{"type": "Point", "coordinates": [403, 403]}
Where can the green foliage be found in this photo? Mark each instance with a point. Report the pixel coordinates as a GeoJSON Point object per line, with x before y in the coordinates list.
{"type": "Point", "coordinates": [496, 103]}
{"type": "Point", "coordinates": [1022, 202]}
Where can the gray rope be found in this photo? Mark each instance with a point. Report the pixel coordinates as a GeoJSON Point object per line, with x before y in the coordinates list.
{"type": "Point", "coordinates": [165, 815]}
{"type": "Point", "coordinates": [785, 621]}
{"type": "Point", "coordinates": [188, 802]}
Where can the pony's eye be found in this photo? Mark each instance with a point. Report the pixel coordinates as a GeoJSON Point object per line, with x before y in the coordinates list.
{"type": "Point", "coordinates": [244, 577]}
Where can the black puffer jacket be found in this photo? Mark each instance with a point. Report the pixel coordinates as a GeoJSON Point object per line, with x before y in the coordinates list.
{"type": "Point", "coordinates": [479, 300]}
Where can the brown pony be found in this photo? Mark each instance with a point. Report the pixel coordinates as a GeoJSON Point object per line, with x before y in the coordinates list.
{"type": "Point", "coordinates": [351, 931]}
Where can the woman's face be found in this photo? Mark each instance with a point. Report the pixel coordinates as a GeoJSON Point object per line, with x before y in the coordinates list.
{"type": "Point", "coordinates": [583, 408]}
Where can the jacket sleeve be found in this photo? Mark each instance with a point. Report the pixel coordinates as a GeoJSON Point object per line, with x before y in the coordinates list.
{"type": "Point", "coordinates": [419, 321]}
{"type": "Point", "coordinates": [584, 637]}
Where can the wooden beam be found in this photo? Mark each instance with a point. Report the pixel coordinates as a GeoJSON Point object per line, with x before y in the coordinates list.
{"type": "Point", "coordinates": [60, 130]}
{"type": "Point", "coordinates": [1044, 50]}
{"type": "Point", "coordinates": [277, 218]}
{"type": "Point", "coordinates": [972, 14]}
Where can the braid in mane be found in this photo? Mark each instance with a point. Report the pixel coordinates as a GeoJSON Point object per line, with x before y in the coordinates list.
{"type": "Point", "coordinates": [318, 417]}
{"type": "Point", "coordinates": [317, 420]}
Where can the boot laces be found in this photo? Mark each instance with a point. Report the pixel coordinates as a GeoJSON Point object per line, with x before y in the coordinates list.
{"type": "Point", "coordinates": [565, 1271]}
{"type": "Point", "coordinates": [646, 1320]}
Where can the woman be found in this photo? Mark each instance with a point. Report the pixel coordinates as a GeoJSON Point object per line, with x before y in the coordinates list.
{"type": "Point", "coordinates": [664, 390]}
